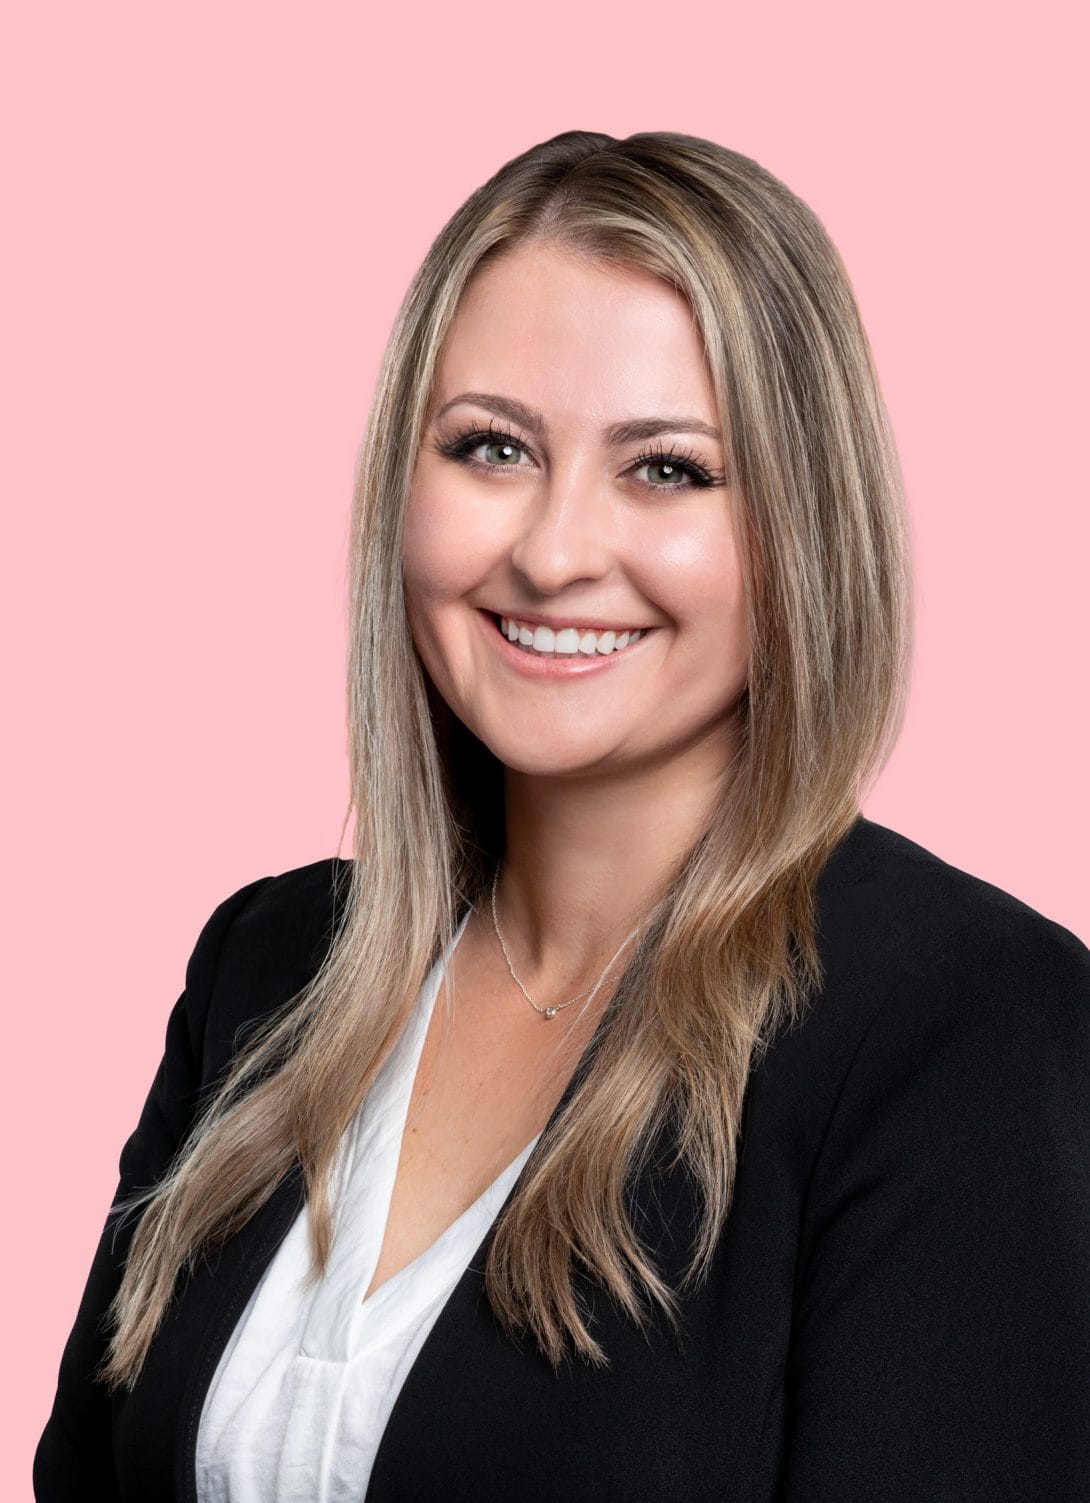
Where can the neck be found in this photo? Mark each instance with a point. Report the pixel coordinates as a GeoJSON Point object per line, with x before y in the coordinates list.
{"type": "Point", "coordinates": [587, 857]}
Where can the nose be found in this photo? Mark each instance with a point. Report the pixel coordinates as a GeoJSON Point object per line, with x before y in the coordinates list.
{"type": "Point", "coordinates": [565, 532]}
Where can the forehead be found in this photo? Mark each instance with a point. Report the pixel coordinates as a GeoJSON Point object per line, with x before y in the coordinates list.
{"type": "Point", "coordinates": [579, 339]}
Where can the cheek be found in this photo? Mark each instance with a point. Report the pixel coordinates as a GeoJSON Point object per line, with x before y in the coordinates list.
{"type": "Point", "coordinates": [445, 546]}
{"type": "Point", "coordinates": [698, 573]}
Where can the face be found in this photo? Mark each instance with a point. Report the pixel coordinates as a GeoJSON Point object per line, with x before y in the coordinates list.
{"type": "Point", "coordinates": [571, 481]}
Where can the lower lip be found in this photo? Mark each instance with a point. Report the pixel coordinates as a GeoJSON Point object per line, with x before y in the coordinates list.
{"type": "Point", "coordinates": [531, 665]}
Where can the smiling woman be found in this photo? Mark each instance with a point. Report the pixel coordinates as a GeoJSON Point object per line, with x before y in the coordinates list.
{"type": "Point", "coordinates": [564, 520]}
{"type": "Point", "coordinates": [629, 1118]}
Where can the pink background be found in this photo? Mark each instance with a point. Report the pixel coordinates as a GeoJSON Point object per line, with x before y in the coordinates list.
{"type": "Point", "coordinates": [215, 210]}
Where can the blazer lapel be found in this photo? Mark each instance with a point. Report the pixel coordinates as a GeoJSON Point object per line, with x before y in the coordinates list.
{"type": "Point", "coordinates": [155, 1424]}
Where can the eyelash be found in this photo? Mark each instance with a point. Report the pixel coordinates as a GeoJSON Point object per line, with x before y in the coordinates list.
{"type": "Point", "coordinates": [460, 444]}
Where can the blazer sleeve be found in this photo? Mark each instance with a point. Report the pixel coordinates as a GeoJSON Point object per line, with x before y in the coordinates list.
{"type": "Point", "coordinates": [74, 1455]}
{"type": "Point", "coordinates": [941, 1337]}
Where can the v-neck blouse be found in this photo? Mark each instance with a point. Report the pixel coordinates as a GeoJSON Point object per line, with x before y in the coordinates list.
{"type": "Point", "coordinates": [303, 1390]}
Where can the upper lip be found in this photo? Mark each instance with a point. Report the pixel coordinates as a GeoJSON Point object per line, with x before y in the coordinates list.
{"type": "Point", "coordinates": [558, 623]}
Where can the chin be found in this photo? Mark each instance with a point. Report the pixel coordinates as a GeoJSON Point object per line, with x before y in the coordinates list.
{"type": "Point", "coordinates": [547, 759]}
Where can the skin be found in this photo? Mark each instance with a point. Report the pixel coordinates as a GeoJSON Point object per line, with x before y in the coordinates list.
{"type": "Point", "coordinates": [609, 776]}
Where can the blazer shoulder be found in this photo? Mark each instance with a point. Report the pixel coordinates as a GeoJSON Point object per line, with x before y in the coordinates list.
{"type": "Point", "coordinates": [885, 894]}
{"type": "Point", "coordinates": [281, 928]}
{"type": "Point", "coordinates": [292, 908]}
{"type": "Point", "coordinates": [977, 1018]}
{"type": "Point", "coordinates": [904, 934]}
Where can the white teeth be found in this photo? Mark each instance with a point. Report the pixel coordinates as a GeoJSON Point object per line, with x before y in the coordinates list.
{"type": "Point", "coordinates": [568, 641]}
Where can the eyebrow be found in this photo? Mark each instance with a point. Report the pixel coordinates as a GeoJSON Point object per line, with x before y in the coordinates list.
{"type": "Point", "coordinates": [618, 433]}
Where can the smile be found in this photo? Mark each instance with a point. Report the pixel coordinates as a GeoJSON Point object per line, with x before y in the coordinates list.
{"type": "Point", "coordinates": [567, 641]}
{"type": "Point", "coordinates": [541, 652]}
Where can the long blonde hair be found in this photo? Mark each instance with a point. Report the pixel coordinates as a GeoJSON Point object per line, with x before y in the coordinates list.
{"type": "Point", "coordinates": [729, 953]}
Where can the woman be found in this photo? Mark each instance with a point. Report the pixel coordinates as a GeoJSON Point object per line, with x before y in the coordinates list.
{"type": "Point", "coordinates": [631, 1118]}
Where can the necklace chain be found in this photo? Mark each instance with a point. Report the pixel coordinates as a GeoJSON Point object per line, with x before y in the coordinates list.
{"type": "Point", "coordinates": [549, 1012]}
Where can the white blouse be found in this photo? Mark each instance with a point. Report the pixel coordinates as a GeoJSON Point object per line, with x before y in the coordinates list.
{"type": "Point", "coordinates": [304, 1388]}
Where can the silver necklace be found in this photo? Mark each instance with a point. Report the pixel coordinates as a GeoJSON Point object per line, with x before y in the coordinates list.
{"type": "Point", "coordinates": [548, 1012]}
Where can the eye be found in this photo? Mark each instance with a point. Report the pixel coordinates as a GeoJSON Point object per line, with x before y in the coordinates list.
{"type": "Point", "coordinates": [677, 472]}
{"type": "Point", "coordinates": [496, 442]}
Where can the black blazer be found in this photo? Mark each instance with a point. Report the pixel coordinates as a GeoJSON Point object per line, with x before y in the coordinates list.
{"type": "Point", "coordinates": [899, 1307]}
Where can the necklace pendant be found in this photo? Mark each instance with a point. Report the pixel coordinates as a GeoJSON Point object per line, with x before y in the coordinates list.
{"type": "Point", "coordinates": [549, 1012]}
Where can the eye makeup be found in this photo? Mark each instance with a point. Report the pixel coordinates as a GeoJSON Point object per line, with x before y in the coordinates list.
{"type": "Point", "coordinates": [459, 446]}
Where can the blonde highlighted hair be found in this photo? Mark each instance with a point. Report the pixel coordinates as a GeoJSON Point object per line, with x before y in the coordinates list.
{"type": "Point", "coordinates": [729, 952]}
